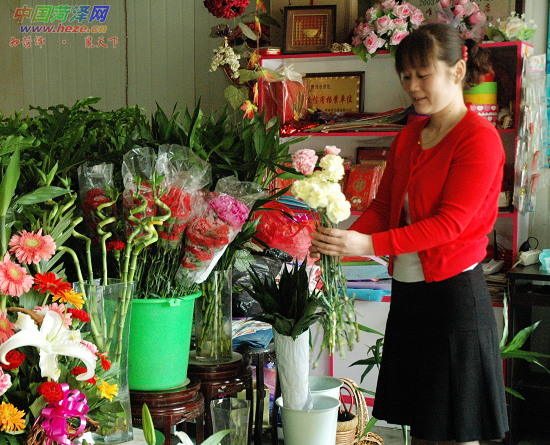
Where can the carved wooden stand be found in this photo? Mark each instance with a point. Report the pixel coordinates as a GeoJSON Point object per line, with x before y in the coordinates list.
{"type": "Point", "coordinates": [171, 407]}
{"type": "Point", "coordinates": [223, 379]}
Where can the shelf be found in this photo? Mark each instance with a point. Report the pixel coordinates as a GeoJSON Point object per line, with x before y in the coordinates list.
{"type": "Point", "coordinates": [348, 134]}
{"type": "Point", "coordinates": [372, 133]}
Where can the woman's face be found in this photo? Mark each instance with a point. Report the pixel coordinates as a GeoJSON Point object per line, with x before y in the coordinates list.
{"type": "Point", "coordinates": [432, 88]}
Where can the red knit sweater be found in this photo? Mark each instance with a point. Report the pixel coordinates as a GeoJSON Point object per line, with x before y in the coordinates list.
{"type": "Point", "coordinates": [453, 197]}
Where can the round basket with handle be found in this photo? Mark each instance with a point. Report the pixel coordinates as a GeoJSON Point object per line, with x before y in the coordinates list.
{"type": "Point", "coordinates": [350, 429]}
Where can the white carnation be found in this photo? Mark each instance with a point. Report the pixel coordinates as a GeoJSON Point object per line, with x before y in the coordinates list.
{"type": "Point", "coordinates": [333, 168]}
{"type": "Point", "coordinates": [317, 195]}
{"type": "Point", "coordinates": [300, 189]}
{"type": "Point", "coordinates": [339, 210]}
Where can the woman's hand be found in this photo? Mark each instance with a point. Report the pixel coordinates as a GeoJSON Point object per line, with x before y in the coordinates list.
{"type": "Point", "coordinates": [336, 242]}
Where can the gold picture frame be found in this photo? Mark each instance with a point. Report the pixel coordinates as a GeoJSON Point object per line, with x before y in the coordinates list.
{"type": "Point", "coordinates": [336, 92]}
{"type": "Point", "coordinates": [308, 29]}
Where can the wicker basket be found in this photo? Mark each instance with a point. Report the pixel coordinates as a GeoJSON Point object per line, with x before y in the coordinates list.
{"type": "Point", "coordinates": [349, 432]}
{"type": "Point", "coordinates": [37, 435]}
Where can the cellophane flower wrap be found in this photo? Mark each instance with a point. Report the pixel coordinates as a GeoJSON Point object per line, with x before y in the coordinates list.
{"type": "Point", "coordinates": [96, 188]}
{"type": "Point", "coordinates": [218, 216]}
{"type": "Point", "coordinates": [465, 16]}
{"type": "Point", "coordinates": [322, 193]}
{"type": "Point", "coordinates": [384, 26]}
{"type": "Point", "coordinates": [52, 375]}
{"type": "Point", "coordinates": [167, 188]}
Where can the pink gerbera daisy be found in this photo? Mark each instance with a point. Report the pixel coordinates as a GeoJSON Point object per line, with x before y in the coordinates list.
{"type": "Point", "coordinates": [59, 309]}
{"type": "Point", "coordinates": [14, 280]}
{"type": "Point", "coordinates": [31, 247]}
{"type": "Point", "coordinates": [6, 327]}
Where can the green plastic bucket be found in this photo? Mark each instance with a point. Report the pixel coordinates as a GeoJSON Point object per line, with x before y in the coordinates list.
{"type": "Point", "coordinates": [160, 338]}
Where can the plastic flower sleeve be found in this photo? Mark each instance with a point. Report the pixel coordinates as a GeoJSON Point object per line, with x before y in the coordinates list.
{"type": "Point", "coordinates": [246, 192]}
{"type": "Point", "coordinates": [96, 188]}
{"type": "Point", "coordinates": [184, 173]}
{"type": "Point", "coordinates": [225, 212]}
{"type": "Point", "coordinates": [138, 166]}
{"type": "Point", "coordinates": [207, 236]}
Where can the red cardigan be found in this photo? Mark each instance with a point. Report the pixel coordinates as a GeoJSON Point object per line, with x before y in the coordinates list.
{"type": "Point", "coordinates": [453, 197]}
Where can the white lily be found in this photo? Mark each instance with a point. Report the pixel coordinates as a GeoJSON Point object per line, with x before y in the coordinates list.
{"type": "Point", "coordinates": [52, 339]}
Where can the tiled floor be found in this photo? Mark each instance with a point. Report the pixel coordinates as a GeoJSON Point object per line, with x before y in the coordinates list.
{"type": "Point", "coordinates": [394, 436]}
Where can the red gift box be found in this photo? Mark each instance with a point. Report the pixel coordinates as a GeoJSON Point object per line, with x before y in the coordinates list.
{"type": "Point", "coordinates": [286, 99]}
{"type": "Point", "coordinates": [363, 184]}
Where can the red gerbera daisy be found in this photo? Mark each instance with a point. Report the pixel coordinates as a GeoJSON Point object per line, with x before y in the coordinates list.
{"type": "Point", "coordinates": [49, 282]}
{"type": "Point", "coordinates": [77, 370]}
{"type": "Point", "coordinates": [51, 391]}
{"type": "Point", "coordinates": [14, 359]}
{"type": "Point", "coordinates": [79, 314]}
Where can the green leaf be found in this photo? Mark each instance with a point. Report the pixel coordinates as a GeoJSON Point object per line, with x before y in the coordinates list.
{"type": "Point", "coordinates": [42, 194]}
{"type": "Point", "coordinates": [248, 75]}
{"type": "Point", "coordinates": [9, 183]}
{"type": "Point", "coordinates": [268, 20]}
{"type": "Point", "coordinates": [368, 330]}
{"type": "Point", "coordinates": [247, 31]}
{"type": "Point", "coordinates": [216, 438]}
{"type": "Point", "coordinates": [520, 338]}
{"type": "Point", "coordinates": [148, 426]}
{"type": "Point", "coordinates": [514, 393]}
{"type": "Point", "coordinates": [236, 96]}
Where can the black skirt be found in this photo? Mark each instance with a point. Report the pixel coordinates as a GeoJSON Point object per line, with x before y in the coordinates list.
{"type": "Point", "coordinates": [441, 371]}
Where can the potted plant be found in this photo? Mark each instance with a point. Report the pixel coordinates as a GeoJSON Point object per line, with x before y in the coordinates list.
{"type": "Point", "coordinates": [291, 305]}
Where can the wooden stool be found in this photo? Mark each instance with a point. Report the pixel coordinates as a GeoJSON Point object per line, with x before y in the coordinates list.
{"type": "Point", "coordinates": [171, 407]}
{"type": "Point", "coordinates": [259, 357]}
{"type": "Point", "coordinates": [223, 379]}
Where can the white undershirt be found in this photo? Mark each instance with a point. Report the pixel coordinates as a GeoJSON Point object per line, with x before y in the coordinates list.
{"type": "Point", "coordinates": [407, 267]}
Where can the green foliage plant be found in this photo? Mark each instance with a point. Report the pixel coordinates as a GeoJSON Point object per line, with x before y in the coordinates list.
{"type": "Point", "coordinates": [289, 305]}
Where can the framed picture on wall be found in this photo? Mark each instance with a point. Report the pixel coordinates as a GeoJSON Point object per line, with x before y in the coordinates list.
{"type": "Point", "coordinates": [308, 29]}
{"type": "Point", "coordinates": [336, 92]}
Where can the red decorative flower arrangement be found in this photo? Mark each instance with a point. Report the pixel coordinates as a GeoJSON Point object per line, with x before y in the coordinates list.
{"type": "Point", "coordinates": [226, 9]}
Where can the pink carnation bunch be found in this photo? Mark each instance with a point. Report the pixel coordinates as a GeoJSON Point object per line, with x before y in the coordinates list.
{"type": "Point", "coordinates": [304, 161]}
{"type": "Point", "coordinates": [465, 16]}
{"type": "Point", "coordinates": [230, 210]}
{"type": "Point", "coordinates": [384, 26]}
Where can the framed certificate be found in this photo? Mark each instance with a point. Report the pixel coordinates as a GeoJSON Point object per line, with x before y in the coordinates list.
{"type": "Point", "coordinates": [336, 92]}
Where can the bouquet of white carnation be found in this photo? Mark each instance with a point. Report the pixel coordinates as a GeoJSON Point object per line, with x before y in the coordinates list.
{"type": "Point", "coordinates": [322, 193]}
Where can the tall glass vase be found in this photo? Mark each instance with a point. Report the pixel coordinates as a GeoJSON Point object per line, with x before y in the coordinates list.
{"type": "Point", "coordinates": [213, 319]}
{"type": "Point", "coordinates": [109, 308]}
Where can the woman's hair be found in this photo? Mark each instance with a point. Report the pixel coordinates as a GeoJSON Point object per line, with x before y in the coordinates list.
{"type": "Point", "coordinates": [439, 41]}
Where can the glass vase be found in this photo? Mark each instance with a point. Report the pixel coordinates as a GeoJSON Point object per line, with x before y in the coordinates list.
{"type": "Point", "coordinates": [213, 319]}
{"type": "Point", "coordinates": [109, 307]}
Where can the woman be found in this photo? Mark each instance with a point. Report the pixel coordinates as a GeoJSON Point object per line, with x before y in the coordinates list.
{"type": "Point", "coordinates": [441, 371]}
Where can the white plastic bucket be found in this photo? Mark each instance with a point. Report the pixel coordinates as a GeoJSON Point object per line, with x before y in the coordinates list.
{"type": "Point", "coordinates": [324, 385]}
{"type": "Point", "coordinates": [315, 427]}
